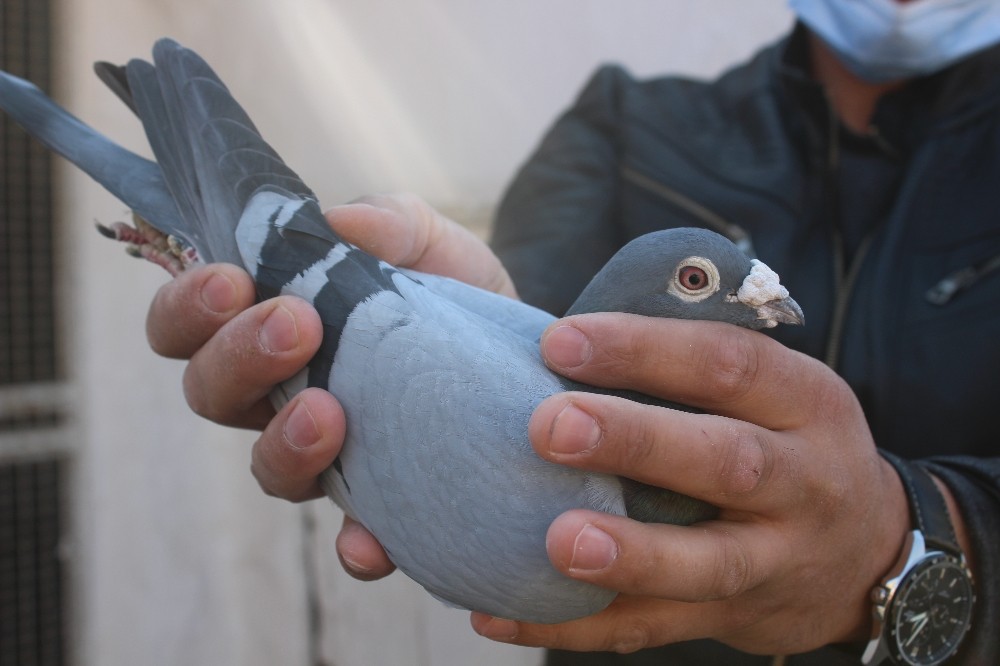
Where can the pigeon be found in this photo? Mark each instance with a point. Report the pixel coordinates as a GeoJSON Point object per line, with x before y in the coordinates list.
{"type": "Point", "coordinates": [437, 378]}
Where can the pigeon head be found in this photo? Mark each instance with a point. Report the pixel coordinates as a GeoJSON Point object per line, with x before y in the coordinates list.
{"type": "Point", "coordinates": [689, 273]}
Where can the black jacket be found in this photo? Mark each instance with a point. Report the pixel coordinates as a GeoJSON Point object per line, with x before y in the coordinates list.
{"type": "Point", "coordinates": [890, 243]}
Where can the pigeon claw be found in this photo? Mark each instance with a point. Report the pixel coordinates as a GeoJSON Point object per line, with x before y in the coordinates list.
{"type": "Point", "coordinates": [147, 242]}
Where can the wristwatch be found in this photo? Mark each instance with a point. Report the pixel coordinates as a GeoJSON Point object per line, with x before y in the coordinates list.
{"type": "Point", "coordinates": [923, 607]}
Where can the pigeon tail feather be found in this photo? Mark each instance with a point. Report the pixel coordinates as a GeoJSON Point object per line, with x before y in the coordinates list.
{"type": "Point", "coordinates": [213, 155]}
{"type": "Point", "coordinates": [136, 181]}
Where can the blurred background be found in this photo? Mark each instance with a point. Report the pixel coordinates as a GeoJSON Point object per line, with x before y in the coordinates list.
{"type": "Point", "coordinates": [131, 531]}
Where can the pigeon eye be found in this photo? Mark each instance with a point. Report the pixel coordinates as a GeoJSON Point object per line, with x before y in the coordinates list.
{"type": "Point", "coordinates": [692, 278]}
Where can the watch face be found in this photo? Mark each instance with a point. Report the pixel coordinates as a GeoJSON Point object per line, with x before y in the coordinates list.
{"type": "Point", "coordinates": [932, 611]}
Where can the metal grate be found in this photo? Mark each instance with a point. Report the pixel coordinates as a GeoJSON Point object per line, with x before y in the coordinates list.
{"type": "Point", "coordinates": [32, 398]}
{"type": "Point", "coordinates": [27, 321]}
{"type": "Point", "coordinates": [31, 586]}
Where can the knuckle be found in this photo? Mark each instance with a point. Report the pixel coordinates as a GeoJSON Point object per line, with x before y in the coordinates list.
{"type": "Point", "coordinates": [828, 496]}
{"type": "Point", "coordinates": [731, 365]}
{"type": "Point", "coordinates": [204, 398]}
{"type": "Point", "coordinates": [835, 398]}
{"type": "Point", "coordinates": [639, 440]}
{"type": "Point", "coordinates": [263, 469]}
{"type": "Point", "coordinates": [498, 281]}
{"type": "Point", "coordinates": [260, 478]}
{"type": "Point", "coordinates": [198, 399]}
{"type": "Point", "coordinates": [616, 359]}
{"type": "Point", "coordinates": [161, 322]}
{"type": "Point", "coordinates": [732, 567]}
{"type": "Point", "coordinates": [746, 462]}
{"type": "Point", "coordinates": [632, 636]}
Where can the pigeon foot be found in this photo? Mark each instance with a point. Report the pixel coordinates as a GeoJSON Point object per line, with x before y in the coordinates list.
{"type": "Point", "coordinates": [147, 242]}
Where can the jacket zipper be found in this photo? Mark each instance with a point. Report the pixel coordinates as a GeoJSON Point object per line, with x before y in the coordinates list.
{"type": "Point", "coordinates": [960, 280]}
{"type": "Point", "coordinates": [709, 218]}
{"type": "Point", "coordinates": [844, 281]}
{"type": "Point", "coordinates": [845, 274]}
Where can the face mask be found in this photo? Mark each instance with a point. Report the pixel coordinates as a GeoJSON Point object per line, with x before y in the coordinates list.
{"type": "Point", "coordinates": [885, 40]}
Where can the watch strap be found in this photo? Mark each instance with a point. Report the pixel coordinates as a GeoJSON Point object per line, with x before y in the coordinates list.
{"type": "Point", "coordinates": [928, 509]}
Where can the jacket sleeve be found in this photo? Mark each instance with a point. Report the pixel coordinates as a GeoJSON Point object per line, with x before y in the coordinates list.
{"type": "Point", "coordinates": [555, 226]}
{"type": "Point", "coordinates": [975, 484]}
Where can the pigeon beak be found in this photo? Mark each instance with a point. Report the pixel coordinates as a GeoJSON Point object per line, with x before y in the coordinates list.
{"type": "Point", "coordinates": [762, 291]}
{"type": "Point", "coordinates": [780, 311]}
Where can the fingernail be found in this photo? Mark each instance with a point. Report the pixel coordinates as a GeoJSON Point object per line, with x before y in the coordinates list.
{"type": "Point", "coordinates": [300, 429]}
{"type": "Point", "coordinates": [574, 431]}
{"type": "Point", "coordinates": [593, 550]}
{"type": "Point", "coordinates": [566, 347]}
{"type": "Point", "coordinates": [218, 293]}
{"type": "Point", "coordinates": [497, 629]}
{"type": "Point", "coordinates": [278, 333]}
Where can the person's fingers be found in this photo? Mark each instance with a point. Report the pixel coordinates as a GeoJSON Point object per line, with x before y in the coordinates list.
{"type": "Point", "coordinates": [189, 309]}
{"type": "Point", "coordinates": [628, 624]}
{"type": "Point", "coordinates": [360, 553]}
{"type": "Point", "coordinates": [404, 230]}
{"type": "Point", "coordinates": [784, 451]}
{"type": "Point", "coordinates": [717, 459]}
{"type": "Point", "coordinates": [727, 580]}
{"type": "Point", "coordinates": [229, 377]}
{"type": "Point", "coordinates": [713, 562]}
{"type": "Point", "coordinates": [301, 441]}
{"type": "Point", "coordinates": [718, 367]}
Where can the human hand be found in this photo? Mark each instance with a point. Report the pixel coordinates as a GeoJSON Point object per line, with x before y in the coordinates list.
{"type": "Point", "coordinates": [811, 516]}
{"type": "Point", "coordinates": [238, 350]}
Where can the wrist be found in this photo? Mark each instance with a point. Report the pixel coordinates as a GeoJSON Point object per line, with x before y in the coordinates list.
{"type": "Point", "coordinates": [923, 606]}
{"type": "Point", "coordinates": [887, 537]}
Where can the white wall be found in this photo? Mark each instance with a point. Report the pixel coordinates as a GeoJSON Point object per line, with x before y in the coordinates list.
{"type": "Point", "coordinates": [178, 558]}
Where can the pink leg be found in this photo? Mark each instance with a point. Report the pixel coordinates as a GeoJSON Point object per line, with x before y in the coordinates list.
{"type": "Point", "coordinates": [145, 241]}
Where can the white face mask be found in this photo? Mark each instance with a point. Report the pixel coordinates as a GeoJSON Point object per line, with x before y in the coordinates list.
{"type": "Point", "coordinates": [886, 40]}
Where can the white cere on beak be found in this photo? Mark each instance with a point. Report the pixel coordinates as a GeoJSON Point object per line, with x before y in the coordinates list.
{"type": "Point", "coordinates": [761, 286]}
{"type": "Point", "coordinates": [762, 291]}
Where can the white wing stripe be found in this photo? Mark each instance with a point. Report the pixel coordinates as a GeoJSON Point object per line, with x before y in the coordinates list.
{"type": "Point", "coordinates": [266, 211]}
{"type": "Point", "coordinates": [309, 282]}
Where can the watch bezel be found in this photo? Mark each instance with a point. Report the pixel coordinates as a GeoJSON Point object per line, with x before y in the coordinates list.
{"type": "Point", "coordinates": [905, 587]}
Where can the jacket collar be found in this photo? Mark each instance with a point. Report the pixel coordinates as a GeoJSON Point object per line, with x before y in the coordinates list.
{"type": "Point", "coordinates": [906, 116]}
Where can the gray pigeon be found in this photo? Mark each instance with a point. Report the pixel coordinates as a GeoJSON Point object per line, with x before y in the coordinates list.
{"type": "Point", "coordinates": [438, 379]}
